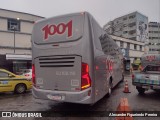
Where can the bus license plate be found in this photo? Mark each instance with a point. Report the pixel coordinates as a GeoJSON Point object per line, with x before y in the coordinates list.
{"type": "Point", "coordinates": [55, 97]}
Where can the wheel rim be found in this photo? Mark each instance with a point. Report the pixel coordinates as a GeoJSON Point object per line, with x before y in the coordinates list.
{"type": "Point", "coordinates": [110, 89]}
{"type": "Point", "coordinates": [21, 89]}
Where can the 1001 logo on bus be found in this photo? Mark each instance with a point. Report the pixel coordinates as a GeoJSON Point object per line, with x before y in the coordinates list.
{"type": "Point", "coordinates": [50, 30]}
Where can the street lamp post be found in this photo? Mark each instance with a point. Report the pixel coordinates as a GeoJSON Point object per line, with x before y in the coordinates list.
{"type": "Point", "coordinates": [14, 30]}
{"type": "Point", "coordinates": [14, 38]}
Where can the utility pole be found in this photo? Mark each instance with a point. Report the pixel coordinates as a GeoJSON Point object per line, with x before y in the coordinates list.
{"type": "Point", "coordinates": [14, 30]}
{"type": "Point", "coordinates": [14, 38]}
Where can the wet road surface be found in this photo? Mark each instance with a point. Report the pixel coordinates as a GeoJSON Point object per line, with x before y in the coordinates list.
{"type": "Point", "coordinates": [148, 102]}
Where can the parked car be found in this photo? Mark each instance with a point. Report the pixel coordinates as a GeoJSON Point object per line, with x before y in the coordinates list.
{"type": "Point", "coordinates": [26, 72]}
{"type": "Point", "coordinates": [10, 82]}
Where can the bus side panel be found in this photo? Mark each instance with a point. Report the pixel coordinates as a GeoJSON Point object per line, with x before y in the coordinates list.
{"type": "Point", "coordinates": [100, 69]}
{"type": "Point", "coordinates": [116, 59]}
{"type": "Point", "coordinates": [117, 71]}
{"type": "Point", "coordinates": [88, 52]}
{"type": "Point", "coordinates": [101, 77]}
{"type": "Point", "coordinates": [105, 49]}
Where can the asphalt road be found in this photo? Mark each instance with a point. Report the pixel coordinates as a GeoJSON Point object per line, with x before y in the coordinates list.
{"type": "Point", "coordinates": [25, 102]}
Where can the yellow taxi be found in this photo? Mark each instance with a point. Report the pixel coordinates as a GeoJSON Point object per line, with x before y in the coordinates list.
{"type": "Point", "coordinates": [10, 82]}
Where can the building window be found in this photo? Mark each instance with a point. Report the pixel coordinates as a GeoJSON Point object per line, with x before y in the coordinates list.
{"type": "Point", "coordinates": [121, 44]}
{"type": "Point", "coordinates": [135, 46]}
{"type": "Point", "coordinates": [124, 32]}
{"type": "Point", "coordinates": [133, 38]}
{"type": "Point", "coordinates": [132, 24]}
{"type": "Point", "coordinates": [140, 47]}
{"type": "Point", "coordinates": [13, 25]}
{"type": "Point", "coordinates": [154, 37]}
{"type": "Point", "coordinates": [154, 31]}
{"type": "Point", "coordinates": [125, 18]}
{"type": "Point", "coordinates": [124, 25]}
{"type": "Point", "coordinates": [131, 17]}
{"type": "Point", "coordinates": [128, 45]}
{"type": "Point", "coordinates": [153, 26]}
{"type": "Point", "coordinates": [132, 32]}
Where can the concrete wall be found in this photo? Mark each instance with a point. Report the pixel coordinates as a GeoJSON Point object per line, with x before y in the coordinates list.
{"type": "Point", "coordinates": [3, 24]}
{"type": "Point", "coordinates": [26, 27]}
{"type": "Point", "coordinates": [22, 37]}
{"type": "Point", "coordinates": [132, 52]}
{"type": "Point", "coordinates": [21, 40]}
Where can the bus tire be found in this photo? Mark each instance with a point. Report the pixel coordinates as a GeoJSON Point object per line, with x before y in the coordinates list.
{"type": "Point", "coordinates": [122, 80]}
{"type": "Point", "coordinates": [110, 86]}
{"type": "Point", "coordinates": [140, 90]}
{"type": "Point", "coordinates": [20, 88]}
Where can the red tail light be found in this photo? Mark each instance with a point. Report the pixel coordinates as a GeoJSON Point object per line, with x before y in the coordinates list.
{"type": "Point", "coordinates": [142, 68]}
{"type": "Point", "coordinates": [26, 75]}
{"type": "Point", "coordinates": [33, 75]}
{"type": "Point", "coordinates": [111, 68]}
{"type": "Point", "coordinates": [132, 76]}
{"type": "Point", "coordinates": [85, 81]}
{"type": "Point", "coordinates": [110, 65]}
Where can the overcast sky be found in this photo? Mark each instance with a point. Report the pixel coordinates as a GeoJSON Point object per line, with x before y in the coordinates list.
{"type": "Point", "coordinates": [102, 10]}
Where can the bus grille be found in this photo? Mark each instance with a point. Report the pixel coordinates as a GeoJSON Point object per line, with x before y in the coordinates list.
{"type": "Point", "coordinates": [57, 61]}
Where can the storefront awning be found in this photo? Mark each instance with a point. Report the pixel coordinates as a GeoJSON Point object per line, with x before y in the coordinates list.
{"type": "Point", "coordinates": [18, 57]}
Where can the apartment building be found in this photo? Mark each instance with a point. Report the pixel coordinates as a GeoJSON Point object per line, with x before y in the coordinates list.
{"type": "Point", "coordinates": [15, 40]}
{"type": "Point", "coordinates": [135, 49]}
{"type": "Point", "coordinates": [133, 26]}
{"type": "Point", "coordinates": [154, 37]}
{"type": "Point", "coordinates": [130, 33]}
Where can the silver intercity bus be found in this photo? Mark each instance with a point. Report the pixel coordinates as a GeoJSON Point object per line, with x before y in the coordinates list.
{"type": "Point", "coordinates": [74, 60]}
